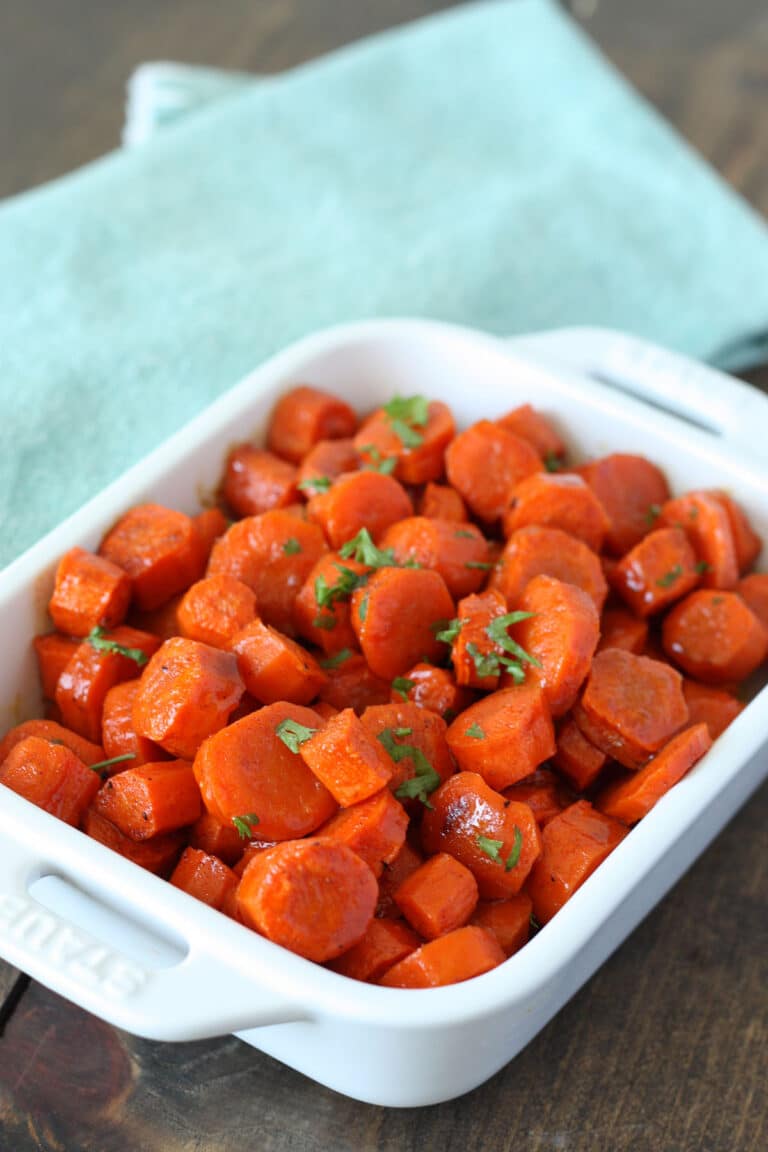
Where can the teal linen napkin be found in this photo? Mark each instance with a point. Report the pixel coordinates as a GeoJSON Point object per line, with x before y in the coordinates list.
{"type": "Point", "coordinates": [485, 166]}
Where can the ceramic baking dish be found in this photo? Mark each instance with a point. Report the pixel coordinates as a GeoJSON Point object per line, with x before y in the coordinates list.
{"type": "Point", "coordinates": [148, 958]}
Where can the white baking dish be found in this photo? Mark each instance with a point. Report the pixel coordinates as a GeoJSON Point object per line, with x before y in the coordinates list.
{"type": "Point", "coordinates": [152, 960]}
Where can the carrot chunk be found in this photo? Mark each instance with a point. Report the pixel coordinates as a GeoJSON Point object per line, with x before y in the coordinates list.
{"type": "Point", "coordinates": [157, 855]}
{"type": "Point", "coordinates": [504, 736]}
{"type": "Point", "coordinates": [660, 569]}
{"type": "Point", "coordinates": [209, 525]}
{"type": "Point", "coordinates": [441, 502]}
{"type": "Point", "coordinates": [705, 521]}
{"type": "Point", "coordinates": [438, 897]}
{"type": "Point", "coordinates": [485, 462]}
{"type": "Point", "coordinates": [50, 776]}
{"type": "Point", "coordinates": [205, 877]}
{"type": "Point", "coordinates": [631, 490]}
{"type": "Point", "coordinates": [579, 761]}
{"type": "Point", "coordinates": [347, 759]}
{"type": "Point", "coordinates": [315, 897]}
{"type": "Point", "coordinates": [374, 829]}
{"type": "Point", "coordinates": [531, 425]}
{"type": "Point", "coordinates": [322, 607]}
{"type": "Point", "coordinates": [543, 792]}
{"type": "Point", "coordinates": [415, 741]}
{"type": "Point", "coordinates": [476, 656]}
{"type": "Point", "coordinates": [397, 616]}
{"type": "Point", "coordinates": [557, 501]}
{"type": "Point", "coordinates": [214, 838]}
{"type": "Point", "coordinates": [53, 653]}
{"type": "Point", "coordinates": [214, 609]}
{"type": "Point", "coordinates": [457, 956]}
{"type": "Point", "coordinates": [754, 592]}
{"type": "Point", "coordinates": [710, 706]}
{"type": "Point", "coordinates": [384, 944]}
{"type": "Point", "coordinates": [160, 550]}
{"type": "Point", "coordinates": [432, 688]}
{"type": "Point", "coordinates": [746, 542]}
{"type": "Point", "coordinates": [118, 731]}
{"type": "Point", "coordinates": [89, 591]}
{"type": "Point", "coordinates": [326, 461]}
{"type": "Point", "coordinates": [714, 636]}
{"type": "Point", "coordinates": [535, 551]}
{"type": "Point", "coordinates": [508, 920]}
{"type": "Point", "coordinates": [404, 864]}
{"type": "Point", "coordinates": [274, 667]}
{"type": "Point", "coordinates": [151, 799]}
{"type": "Point", "coordinates": [412, 432]}
{"type": "Point", "coordinates": [460, 555]}
{"type": "Point", "coordinates": [256, 481]}
{"type": "Point", "coordinates": [359, 500]}
{"type": "Point", "coordinates": [630, 799]}
{"type": "Point", "coordinates": [303, 416]}
{"type": "Point", "coordinates": [621, 629]}
{"type": "Point", "coordinates": [54, 733]}
{"type": "Point", "coordinates": [351, 683]}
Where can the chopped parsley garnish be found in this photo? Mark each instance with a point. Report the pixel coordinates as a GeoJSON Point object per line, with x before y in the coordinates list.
{"type": "Point", "coordinates": [362, 548]}
{"type": "Point", "coordinates": [652, 515]}
{"type": "Point", "coordinates": [245, 825]}
{"type": "Point", "coordinates": [97, 640]}
{"type": "Point", "coordinates": [426, 780]}
{"type": "Point", "coordinates": [475, 731]}
{"type": "Point", "coordinates": [327, 623]}
{"type": "Point", "coordinates": [327, 594]}
{"type": "Point", "coordinates": [668, 579]}
{"type": "Point", "coordinates": [702, 567]}
{"type": "Point", "coordinates": [377, 462]}
{"type": "Point", "coordinates": [402, 685]}
{"type": "Point", "coordinates": [447, 630]}
{"type": "Point", "coordinates": [293, 734]}
{"type": "Point", "coordinates": [405, 414]}
{"type": "Point", "coordinates": [315, 484]}
{"type": "Point", "coordinates": [552, 462]}
{"type": "Point", "coordinates": [362, 608]}
{"type": "Point", "coordinates": [497, 631]}
{"type": "Point", "coordinates": [492, 849]}
{"type": "Point", "coordinates": [514, 855]}
{"type": "Point", "coordinates": [486, 663]}
{"type": "Point", "coordinates": [483, 565]}
{"type": "Point", "coordinates": [291, 546]}
{"type": "Point", "coordinates": [337, 658]}
{"type": "Point", "coordinates": [462, 534]}
{"type": "Point", "coordinates": [101, 764]}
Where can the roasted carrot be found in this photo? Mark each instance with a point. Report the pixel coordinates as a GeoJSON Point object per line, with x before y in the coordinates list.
{"type": "Point", "coordinates": [746, 542]}
{"type": "Point", "coordinates": [50, 776]}
{"type": "Point", "coordinates": [631, 490]}
{"type": "Point", "coordinates": [544, 793]}
{"type": "Point", "coordinates": [205, 877]}
{"type": "Point", "coordinates": [151, 799]}
{"type": "Point", "coordinates": [256, 481]}
{"type": "Point", "coordinates": [432, 688]}
{"type": "Point", "coordinates": [89, 591]}
{"type": "Point", "coordinates": [504, 736]}
{"type": "Point", "coordinates": [322, 608]}
{"type": "Point", "coordinates": [351, 683]}
{"type": "Point", "coordinates": [508, 920]}
{"type": "Point", "coordinates": [54, 733]}
{"type": "Point", "coordinates": [209, 525]}
{"type": "Point", "coordinates": [438, 897]}
{"type": "Point", "coordinates": [347, 759]}
{"type": "Point", "coordinates": [273, 667]}
{"type": "Point", "coordinates": [53, 652]}
{"type": "Point", "coordinates": [459, 553]}
{"type": "Point", "coordinates": [326, 461]}
{"type": "Point", "coordinates": [442, 502]}
{"type": "Point", "coordinates": [710, 706]}
{"type": "Point", "coordinates": [158, 854]}
{"type": "Point", "coordinates": [632, 798]}
{"type": "Point", "coordinates": [305, 415]}
{"type": "Point", "coordinates": [705, 521]}
{"type": "Point", "coordinates": [622, 629]}
{"type": "Point", "coordinates": [457, 956]}
{"type": "Point", "coordinates": [213, 837]}
{"type": "Point", "coordinates": [415, 742]}
{"type": "Point", "coordinates": [715, 637]}
{"type": "Point", "coordinates": [119, 734]}
{"type": "Point", "coordinates": [562, 501]}
{"type": "Point", "coordinates": [384, 944]}
{"type": "Point", "coordinates": [534, 551]}
{"type": "Point", "coordinates": [579, 761]}
{"type": "Point", "coordinates": [753, 590]}
{"type": "Point", "coordinates": [374, 829]}
{"type": "Point", "coordinates": [406, 862]}
{"type": "Point", "coordinates": [159, 548]}
{"type": "Point", "coordinates": [359, 500]}
{"type": "Point", "coordinates": [660, 569]}
{"type": "Point", "coordinates": [485, 462]}
{"type": "Point", "coordinates": [531, 425]}
{"type": "Point", "coordinates": [315, 897]}
{"type": "Point", "coordinates": [475, 654]}
{"type": "Point", "coordinates": [397, 616]}
{"type": "Point", "coordinates": [411, 431]}
{"type": "Point", "coordinates": [214, 609]}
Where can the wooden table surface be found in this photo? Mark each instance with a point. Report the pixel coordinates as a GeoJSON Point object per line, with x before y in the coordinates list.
{"type": "Point", "coordinates": [667, 1047]}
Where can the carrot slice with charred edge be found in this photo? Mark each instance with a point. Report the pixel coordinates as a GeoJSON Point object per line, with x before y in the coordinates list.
{"type": "Point", "coordinates": [53, 653]}
{"type": "Point", "coordinates": [187, 692]}
{"type": "Point", "coordinates": [89, 591]}
{"type": "Point", "coordinates": [315, 897]}
{"type": "Point", "coordinates": [573, 844]}
{"type": "Point", "coordinates": [157, 855]}
{"type": "Point", "coordinates": [50, 776]}
{"type": "Point", "coordinates": [534, 551]}
{"type": "Point", "coordinates": [214, 609]}
{"type": "Point", "coordinates": [747, 543]}
{"type": "Point", "coordinates": [504, 736]}
{"type": "Point", "coordinates": [216, 839]}
{"type": "Point", "coordinates": [273, 554]}
{"type": "Point", "coordinates": [474, 649]}
{"type": "Point", "coordinates": [579, 761]}
{"type": "Point", "coordinates": [352, 684]}
{"type": "Point", "coordinates": [754, 592]}
{"type": "Point", "coordinates": [460, 555]}
{"type": "Point", "coordinates": [631, 490]}
{"type": "Point", "coordinates": [457, 956]}
{"type": "Point", "coordinates": [557, 501]}
{"type": "Point", "coordinates": [715, 637]}
{"type": "Point", "coordinates": [256, 481]}
{"type": "Point", "coordinates": [407, 724]}
{"type": "Point", "coordinates": [54, 733]}
{"type": "Point", "coordinates": [393, 875]}
{"type": "Point", "coordinates": [247, 769]}
{"type": "Point", "coordinates": [91, 672]}
{"type": "Point", "coordinates": [274, 667]}
{"type": "Point", "coordinates": [620, 629]}
{"type": "Point", "coordinates": [497, 839]}
{"type": "Point", "coordinates": [384, 944]}
{"type": "Point", "coordinates": [159, 548]}
{"type": "Point", "coordinates": [705, 521]}
{"type": "Point", "coordinates": [508, 920]}
{"type": "Point", "coordinates": [374, 829]}
{"type": "Point", "coordinates": [358, 500]}
{"type": "Point", "coordinates": [631, 706]}
{"type": "Point", "coordinates": [485, 462]}
{"type": "Point", "coordinates": [347, 759]}
{"type": "Point", "coordinates": [151, 799]}
{"type": "Point", "coordinates": [209, 525]}
{"type": "Point", "coordinates": [327, 460]}
{"type": "Point", "coordinates": [543, 792]}
{"type": "Point", "coordinates": [438, 897]}
{"type": "Point", "coordinates": [420, 459]}
{"type": "Point", "coordinates": [322, 608]}
{"type": "Point", "coordinates": [205, 877]}
{"type": "Point", "coordinates": [397, 616]}
{"type": "Point", "coordinates": [303, 416]}
{"type": "Point", "coordinates": [630, 799]}
{"type": "Point", "coordinates": [119, 733]}
{"type": "Point", "coordinates": [531, 425]}
{"type": "Point", "coordinates": [432, 688]}
{"type": "Point", "coordinates": [442, 502]}
{"type": "Point", "coordinates": [562, 635]}
{"type": "Point", "coordinates": [710, 706]}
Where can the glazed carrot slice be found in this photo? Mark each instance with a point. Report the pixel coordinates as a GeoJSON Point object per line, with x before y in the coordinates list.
{"type": "Point", "coordinates": [631, 490]}
{"type": "Point", "coordinates": [561, 634]}
{"type": "Point", "coordinates": [347, 759]}
{"type": "Point", "coordinates": [705, 521]}
{"type": "Point", "coordinates": [459, 554]}
{"type": "Point", "coordinates": [209, 525]}
{"type": "Point", "coordinates": [531, 425]}
{"type": "Point", "coordinates": [205, 877]}
{"type": "Point", "coordinates": [248, 769]}
{"type": "Point", "coordinates": [157, 855]}
{"type": "Point", "coordinates": [573, 845]}
{"type": "Point", "coordinates": [485, 462]}
{"type": "Point", "coordinates": [214, 610]}
{"type": "Point", "coordinates": [543, 792]}
{"type": "Point", "coordinates": [710, 706]}
{"type": "Point", "coordinates": [497, 839]}
{"type": "Point", "coordinates": [715, 637]}
{"type": "Point", "coordinates": [160, 550]}
{"type": "Point", "coordinates": [442, 502]}
{"type": "Point", "coordinates": [557, 501]}
{"type": "Point", "coordinates": [438, 897]}
{"type": "Point", "coordinates": [256, 481]}
{"type": "Point", "coordinates": [753, 590]}
{"type": "Point", "coordinates": [273, 667]}
{"type": "Point", "coordinates": [89, 591]}
{"type": "Point", "coordinates": [151, 799]}
{"type": "Point", "coordinates": [432, 688]}
{"type": "Point", "coordinates": [273, 554]}
{"type": "Point", "coordinates": [326, 461]}
{"type": "Point", "coordinates": [630, 799]}
{"type": "Point", "coordinates": [631, 706]}
{"type": "Point", "coordinates": [475, 654]}
{"type": "Point", "coordinates": [119, 734]}
{"type": "Point", "coordinates": [457, 956]}
{"type": "Point", "coordinates": [504, 736]}
{"type": "Point", "coordinates": [622, 629]}
{"type": "Point", "coordinates": [214, 838]}
{"type": "Point", "coordinates": [322, 608]}
{"type": "Point", "coordinates": [384, 944]}
{"type": "Point", "coordinates": [50, 776]}
{"type": "Point", "coordinates": [315, 897]}
{"type": "Point", "coordinates": [746, 542]}
{"type": "Point", "coordinates": [374, 829]}
{"type": "Point", "coordinates": [411, 431]}
{"type": "Point", "coordinates": [397, 616]}
{"type": "Point", "coordinates": [53, 653]}
{"type": "Point", "coordinates": [508, 920]}
{"type": "Point", "coordinates": [535, 551]}
{"type": "Point", "coordinates": [359, 500]}
{"type": "Point", "coordinates": [392, 876]}
{"type": "Point", "coordinates": [54, 733]}
{"type": "Point", "coordinates": [579, 761]}
{"type": "Point", "coordinates": [400, 726]}
{"type": "Point", "coordinates": [303, 416]}
{"type": "Point", "coordinates": [352, 684]}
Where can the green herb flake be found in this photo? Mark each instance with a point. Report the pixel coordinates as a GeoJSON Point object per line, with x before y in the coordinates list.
{"type": "Point", "coordinates": [491, 848]}
{"type": "Point", "coordinates": [702, 567]}
{"type": "Point", "coordinates": [717, 600]}
{"type": "Point", "coordinates": [337, 659]}
{"type": "Point", "coordinates": [693, 511]}
{"type": "Point", "coordinates": [407, 436]}
{"type": "Point", "coordinates": [376, 462]}
{"type": "Point", "coordinates": [327, 623]}
{"type": "Point", "coordinates": [245, 825]}
{"type": "Point", "coordinates": [475, 731]}
{"type": "Point", "coordinates": [514, 855]}
{"type": "Point", "coordinates": [328, 594]}
{"type": "Point", "coordinates": [291, 547]}
{"type": "Point", "coordinates": [669, 578]}
{"type": "Point", "coordinates": [362, 608]}
{"type": "Point", "coordinates": [447, 630]}
{"type": "Point", "coordinates": [497, 631]}
{"type": "Point", "coordinates": [315, 484]}
{"type": "Point", "coordinates": [100, 765]}
{"type": "Point", "coordinates": [652, 515]}
{"type": "Point", "coordinates": [463, 534]}
{"type": "Point", "coordinates": [402, 686]}
{"type": "Point", "coordinates": [362, 549]}
{"type": "Point", "coordinates": [293, 734]}
{"type": "Point", "coordinates": [552, 462]}
{"type": "Point", "coordinates": [425, 780]}
{"type": "Point", "coordinates": [97, 640]}
{"type": "Point", "coordinates": [483, 565]}
{"type": "Point", "coordinates": [486, 663]}
{"type": "Point", "coordinates": [412, 409]}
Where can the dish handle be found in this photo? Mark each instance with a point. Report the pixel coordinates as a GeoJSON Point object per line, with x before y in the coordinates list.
{"type": "Point", "coordinates": [700, 394]}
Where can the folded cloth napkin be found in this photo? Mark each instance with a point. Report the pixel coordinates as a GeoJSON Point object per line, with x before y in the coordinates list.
{"type": "Point", "coordinates": [484, 166]}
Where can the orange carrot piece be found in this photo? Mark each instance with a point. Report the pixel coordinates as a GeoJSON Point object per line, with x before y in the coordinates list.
{"type": "Point", "coordinates": [214, 610]}
{"type": "Point", "coordinates": [508, 920]}
{"type": "Point", "coordinates": [504, 736]}
{"type": "Point", "coordinates": [710, 706]}
{"type": "Point", "coordinates": [660, 569]}
{"type": "Point", "coordinates": [326, 461]}
{"type": "Point", "coordinates": [303, 416]}
{"type": "Point", "coordinates": [754, 592]}
{"type": "Point", "coordinates": [246, 769]}
{"type": "Point", "coordinates": [160, 550]}
{"type": "Point", "coordinates": [457, 956]}
{"type": "Point", "coordinates": [563, 501]}
{"type": "Point", "coordinates": [534, 551]}
{"type": "Point", "coordinates": [746, 542]}
{"type": "Point", "coordinates": [632, 798]}
{"type": "Point", "coordinates": [54, 733]}
{"type": "Point", "coordinates": [715, 637]}
{"type": "Point", "coordinates": [459, 554]}
{"type": "Point", "coordinates": [419, 455]}
{"type": "Point", "coordinates": [213, 837]}
{"type": "Point", "coordinates": [322, 607]}
{"type": "Point", "coordinates": [432, 688]}
{"type": "Point", "coordinates": [397, 616]}
{"type": "Point", "coordinates": [151, 799]}
{"type": "Point", "coordinates": [573, 845]}
{"type": "Point", "coordinates": [404, 864]}
{"type": "Point", "coordinates": [405, 724]}
{"type": "Point", "coordinates": [315, 897]}
{"type": "Point", "coordinates": [473, 645]}
{"type": "Point", "coordinates": [543, 792]}
{"type": "Point", "coordinates": [579, 761]}
{"type": "Point", "coordinates": [438, 897]}
{"type": "Point", "coordinates": [531, 425]}
{"type": "Point", "coordinates": [274, 667]}
{"type": "Point", "coordinates": [157, 855]}
{"type": "Point", "coordinates": [256, 481]}
{"type": "Point", "coordinates": [205, 877]}
{"type": "Point", "coordinates": [119, 734]}
{"type": "Point", "coordinates": [384, 944]}
{"type": "Point", "coordinates": [347, 759]}
{"type": "Point", "coordinates": [374, 829]}
{"type": "Point", "coordinates": [162, 622]}
{"type": "Point", "coordinates": [352, 684]}
{"type": "Point", "coordinates": [442, 502]}
{"type": "Point", "coordinates": [621, 629]}
{"type": "Point", "coordinates": [89, 591]}
{"type": "Point", "coordinates": [497, 839]}
{"type": "Point", "coordinates": [485, 462]}
{"type": "Point", "coordinates": [209, 525]}
{"type": "Point", "coordinates": [358, 500]}
{"type": "Point", "coordinates": [50, 776]}
{"type": "Point", "coordinates": [53, 653]}
{"type": "Point", "coordinates": [705, 521]}
{"type": "Point", "coordinates": [631, 490]}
